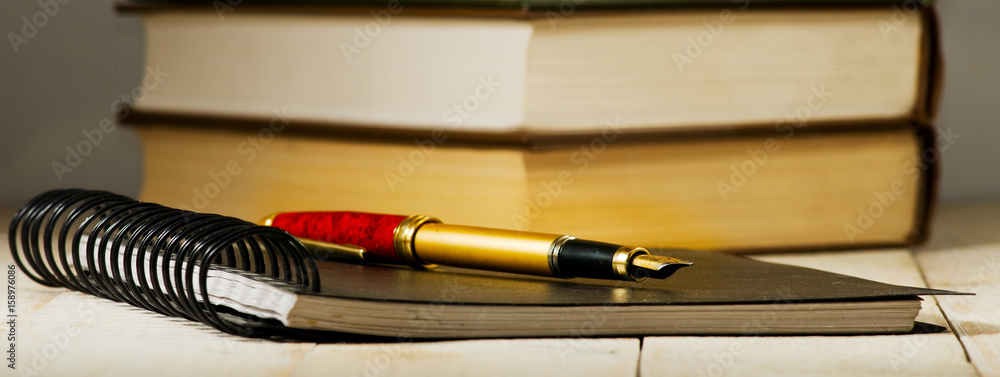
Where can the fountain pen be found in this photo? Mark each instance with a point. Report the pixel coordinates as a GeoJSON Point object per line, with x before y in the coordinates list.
{"type": "Point", "coordinates": [423, 241]}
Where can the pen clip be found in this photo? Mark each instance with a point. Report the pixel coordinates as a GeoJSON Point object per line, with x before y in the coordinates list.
{"type": "Point", "coordinates": [332, 251]}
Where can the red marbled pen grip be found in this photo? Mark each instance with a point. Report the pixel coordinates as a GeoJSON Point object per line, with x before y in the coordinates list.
{"type": "Point", "coordinates": [372, 231]}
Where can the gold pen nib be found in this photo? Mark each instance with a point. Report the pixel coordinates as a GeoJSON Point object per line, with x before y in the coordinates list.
{"type": "Point", "coordinates": [658, 266]}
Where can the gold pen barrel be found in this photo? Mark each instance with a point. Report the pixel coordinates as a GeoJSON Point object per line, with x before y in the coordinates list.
{"type": "Point", "coordinates": [485, 248]}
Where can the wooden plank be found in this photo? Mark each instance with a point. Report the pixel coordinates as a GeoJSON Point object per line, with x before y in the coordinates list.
{"type": "Point", "coordinates": [82, 335]}
{"type": "Point", "coordinates": [516, 357]}
{"type": "Point", "coordinates": [963, 256]}
{"type": "Point", "coordinates": [937, 354]}
{"type": "Point", "coordinates": [924, 355]}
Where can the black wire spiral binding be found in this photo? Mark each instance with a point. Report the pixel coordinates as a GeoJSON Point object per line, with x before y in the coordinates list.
{"type": "Point", "coordinates": [47, 232]}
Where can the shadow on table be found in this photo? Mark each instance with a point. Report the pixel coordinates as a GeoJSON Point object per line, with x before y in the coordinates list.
{"type": "Point", "coordinates": [927, 328]}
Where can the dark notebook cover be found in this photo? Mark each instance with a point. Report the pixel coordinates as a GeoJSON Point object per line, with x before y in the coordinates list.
{"type": "Point", "coordinates": [713, 279]}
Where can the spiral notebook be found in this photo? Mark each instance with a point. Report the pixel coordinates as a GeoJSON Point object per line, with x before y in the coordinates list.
{"type": "Point", "coordinates": [259, 281]}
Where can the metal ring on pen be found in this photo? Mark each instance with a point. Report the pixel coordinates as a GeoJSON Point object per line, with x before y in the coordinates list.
{"type": "Point", "coordinates": [152, 256]}
{"type": "Point", "coordinates": [621, 262]}
{"type": "Point", "coordinates": [554, 253]}
{"type": "Point", "coordinates": [403, 238]}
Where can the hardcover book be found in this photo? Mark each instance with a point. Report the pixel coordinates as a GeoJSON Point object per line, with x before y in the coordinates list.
{"type": "Point", "coordinates": [750, 192]}
{"type": "Point", "coordinates": [395, 66]}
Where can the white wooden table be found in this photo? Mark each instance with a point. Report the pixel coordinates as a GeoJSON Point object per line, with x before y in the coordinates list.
{"type": "Point", "coordinates": [60, 332]}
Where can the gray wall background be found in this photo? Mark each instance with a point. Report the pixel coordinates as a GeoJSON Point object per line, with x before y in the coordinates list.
{"type": "Point", "coordinates": [65, 79]}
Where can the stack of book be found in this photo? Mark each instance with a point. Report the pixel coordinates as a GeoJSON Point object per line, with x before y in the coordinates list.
{"type": "Point", "coordinates": [717, 125]}
{"type": "Point", "coordinates": [788, 124]}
